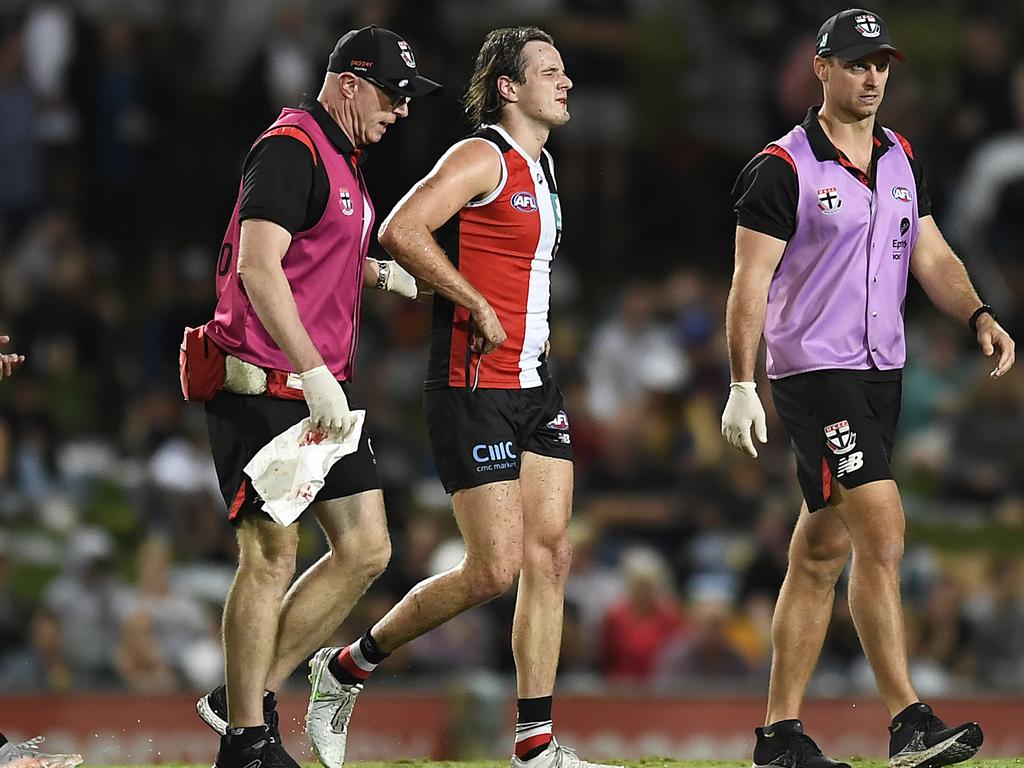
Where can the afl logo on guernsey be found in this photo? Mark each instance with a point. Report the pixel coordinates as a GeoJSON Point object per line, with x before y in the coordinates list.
{"type": "Point", "coordinates": [524, 202]}
{"type": "Point", "coordinates": [346, 202]}
{"type": "Point", "coordinates": [829, 201]}
{"type": "Point", "coordinates": [901, 193]}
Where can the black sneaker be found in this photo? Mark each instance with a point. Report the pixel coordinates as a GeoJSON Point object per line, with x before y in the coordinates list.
{"type": "Point", "coordinates": [213, 709]}
{"type": "Point", "coordinates": [266, 752]}
{"type": "Point", "coordinates": [918, 739]}
{"type": "Point", "coordinates": [786, 745]}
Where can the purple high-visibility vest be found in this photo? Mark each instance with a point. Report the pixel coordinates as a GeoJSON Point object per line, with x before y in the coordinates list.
{"type": "Point", "coordinates": [836, 300]}
{"type": "Point", "coordinates": [323, 265]}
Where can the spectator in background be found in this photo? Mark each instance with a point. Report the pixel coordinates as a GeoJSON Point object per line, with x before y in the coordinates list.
{"type": "Point", "coordinates": [999, 639]}
{"type": "Point", "coordinates": [86, 598]}
{"type": "Point", "coordinates": [39, 666]}
{"type": "Point", "coordinates": [20, 167]}
{"type": "Point", "coordinates": [706, 654]}
{"type": "Point", "coordinates": [631, 355]}
{"type": "Point", "coordinates": [638, 628]}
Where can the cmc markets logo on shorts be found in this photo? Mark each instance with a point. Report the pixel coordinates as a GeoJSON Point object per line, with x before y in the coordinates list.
{"type": "Point", "coordinates": [902, 194]}
{"type": "Point", "coordinates": [524, 202]}
{"type": "Point", "coordinates": [494, 456]}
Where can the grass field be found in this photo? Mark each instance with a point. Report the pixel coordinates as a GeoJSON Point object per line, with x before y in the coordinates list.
{"type": "Point", "coordinates": [653, 762]}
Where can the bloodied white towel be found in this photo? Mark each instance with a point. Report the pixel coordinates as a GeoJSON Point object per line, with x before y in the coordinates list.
{"type": "Point", "coordinates": [289, 471]}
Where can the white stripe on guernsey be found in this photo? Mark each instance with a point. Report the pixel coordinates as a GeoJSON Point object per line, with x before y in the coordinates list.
{"type": "Point", "coordinates": [357, 656]}
{"type": "Point", "coordinates": [367, 218]}
{"type": "Point", "coordinates": [491, 196]}
{"type": "Point", "coordinates": [538, 298]}
{"type": "Point", "coordinates": [534, 729]}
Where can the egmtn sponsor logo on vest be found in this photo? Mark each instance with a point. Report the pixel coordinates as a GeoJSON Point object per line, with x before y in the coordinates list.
{"type": "Point", "coordinates": [494, 456]}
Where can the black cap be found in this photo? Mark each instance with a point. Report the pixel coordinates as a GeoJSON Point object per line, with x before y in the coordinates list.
{"type": "Point", "coordinates": [379, 54]}
{"type": "Point", "coordinates": [854, 33]}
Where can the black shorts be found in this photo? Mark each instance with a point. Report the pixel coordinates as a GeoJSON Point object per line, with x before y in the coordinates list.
{"type": "Point", "coordinates": [842, 424]}
{"type": "Point", "coordinates": [240, 425]}
{"type": "Point", "coordinates": [479, 436]}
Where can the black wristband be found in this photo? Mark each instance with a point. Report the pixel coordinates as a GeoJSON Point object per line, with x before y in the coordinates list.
{"type": "Point", "coordinates": [984, 309]}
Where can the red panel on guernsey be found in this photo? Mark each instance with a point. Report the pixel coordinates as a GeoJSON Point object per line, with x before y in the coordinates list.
{"type": "Point", "coordinates": [505, 250]}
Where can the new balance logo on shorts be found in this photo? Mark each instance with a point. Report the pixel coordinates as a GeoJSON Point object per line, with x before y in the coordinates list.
{"type": "Point", "coordinates": [850, 463]}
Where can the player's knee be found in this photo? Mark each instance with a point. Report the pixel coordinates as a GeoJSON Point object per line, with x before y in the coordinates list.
{"type": "Point", "coordinates": [551, 555]}
{"type": "Point", "coordinates": [274, 564]}
{"type": "Point", "coordinates": [492, 580]}
{"type": "Point", "coordinates": [884, 550]}
{"type": "Point", "coordinates": [821, 562]}
{"type": "Point", "coordinates": [374, 559]}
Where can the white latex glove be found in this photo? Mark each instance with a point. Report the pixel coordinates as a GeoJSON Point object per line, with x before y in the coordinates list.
{"type": "Point", "coordinates": [398, 279]}
{"type": "Point", "coordinates": [741, 411]}
{"type": "Point", "coordinates": [328, 406]}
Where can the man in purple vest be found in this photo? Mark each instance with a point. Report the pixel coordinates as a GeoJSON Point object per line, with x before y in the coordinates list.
{"type": "Point", "coordinates": [831, 219]}
{"type": "Point", "coordinates": [289, 279]}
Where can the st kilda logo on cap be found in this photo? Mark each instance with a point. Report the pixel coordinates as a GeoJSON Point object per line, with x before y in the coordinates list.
{"type": "Point", "coordinates": [867, 25]}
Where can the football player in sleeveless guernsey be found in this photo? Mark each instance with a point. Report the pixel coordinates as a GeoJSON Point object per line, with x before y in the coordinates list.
{"type": "Point", "coordinates": [292, 269]}
{"type": "Point", "coordinates": [832, 219]}
{"type": "Point", "coordinates": [483, 229]}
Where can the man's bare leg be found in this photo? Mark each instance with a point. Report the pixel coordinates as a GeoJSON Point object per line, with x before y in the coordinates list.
{"type": "Point", "coordinates": [873, 514]}
{"type": "Point", "coordinates": [546, 485]}
{"type": "Point", "coordinates": [490, 518]}
{"type": "Point", "coordinates": [818, 551]}
{"type": "Point", "coordinates": [266, 564]}
{"type": "Point", "coordinates": [322, 597]}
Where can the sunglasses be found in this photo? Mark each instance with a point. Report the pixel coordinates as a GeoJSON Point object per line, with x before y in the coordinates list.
{"type": "Point", "coordinates": [396, 99]}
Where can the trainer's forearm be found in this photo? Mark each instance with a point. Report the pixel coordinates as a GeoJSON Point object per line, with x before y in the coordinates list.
{"type": "Point", "coordinates": [949, 287]}
{"type": "Point", "coordinates": [744, 322]}
{"type": "Point", "coordinates": [414, 247]}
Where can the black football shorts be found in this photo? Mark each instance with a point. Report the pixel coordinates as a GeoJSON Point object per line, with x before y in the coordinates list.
{"type": "Point", "coordinates": [842, 424]}
{"type": "Point", "coordinates": [478, 437]}
{"type": "Point", "coordinates": [240, 425]}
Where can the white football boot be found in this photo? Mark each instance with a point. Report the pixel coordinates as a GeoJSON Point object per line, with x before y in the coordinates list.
{"type": "Point", "coordinates": [330, 708]}
{"type": "Point", "coordinates": [25, 755]}
{"type": "Point", "coordinates": [557, 756]}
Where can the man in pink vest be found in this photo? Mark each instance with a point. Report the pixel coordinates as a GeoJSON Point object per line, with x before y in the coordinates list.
{"type": "Point", "coordinates": [832, 218]}
{"type": "Point", "coordinates": [290, 275]}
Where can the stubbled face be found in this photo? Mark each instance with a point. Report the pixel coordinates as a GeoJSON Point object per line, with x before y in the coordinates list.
{"type": "Point", "coordinates": [544, 93]}
{"type": "Point", "coordinates": [376, 109]}
{"type": "Point", "coordinates": [854, 88]}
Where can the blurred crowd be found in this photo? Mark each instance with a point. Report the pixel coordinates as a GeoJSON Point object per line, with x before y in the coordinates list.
{"type": "Point", "coordinates": [123, 125]}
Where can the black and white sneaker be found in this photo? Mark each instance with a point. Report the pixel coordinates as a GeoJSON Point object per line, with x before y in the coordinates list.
{"type": "Point", "coordinates": [784, 744]}
{"type": "Point", "coordinates": [919, 739]}
{"type": "Point", "coordinates": [213, 709]}
{"type": "Point", "coordinates": [265, 752]}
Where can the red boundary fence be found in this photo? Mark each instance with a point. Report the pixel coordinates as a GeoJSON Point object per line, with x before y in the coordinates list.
{"type": "Point", "coordinates": [127, 729]}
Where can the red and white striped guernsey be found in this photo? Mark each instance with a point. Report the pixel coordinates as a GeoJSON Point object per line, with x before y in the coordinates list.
{"type": "Point", "coordinates": [503, 245]}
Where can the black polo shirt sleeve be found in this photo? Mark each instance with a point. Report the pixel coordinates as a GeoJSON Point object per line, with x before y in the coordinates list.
{"type": "Point", "coordinates": [282, 182]}
{"type": "Point", "coordinates": [766, 194]}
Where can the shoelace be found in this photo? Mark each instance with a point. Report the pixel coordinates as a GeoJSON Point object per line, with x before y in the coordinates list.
{"type": "Point", "coordinates": [805, 747]}
{"type": "Point", "coordinates": [346, 708]}
{"type": "Point", "coordinates": [31, 745]}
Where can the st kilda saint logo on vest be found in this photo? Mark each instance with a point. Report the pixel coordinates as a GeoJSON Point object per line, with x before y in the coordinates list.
{"type": "Point", "coordinates": [346, 201]}
{"type": "Point", "coordinates": [829, 201]}
{"type": "Point", "coordinates": [840, 438]}
{"type": "Point", "coordinates": [867, 25]}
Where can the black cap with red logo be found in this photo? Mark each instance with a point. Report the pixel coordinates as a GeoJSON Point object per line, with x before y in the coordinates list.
{"type": "Point", "coordinates": [853, 34]}
{"type": "Point", "coordinates": [381, 56]}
